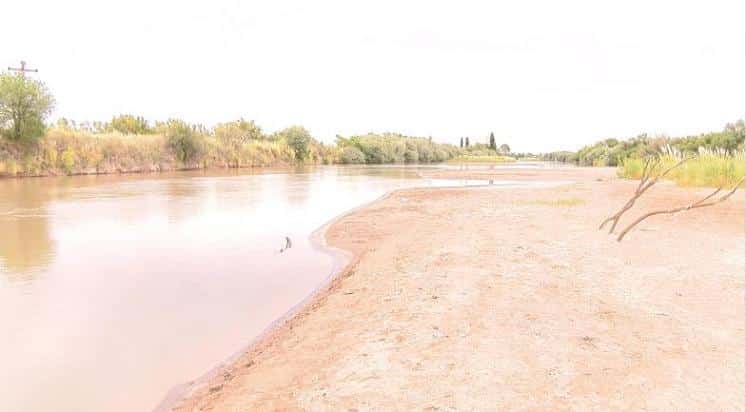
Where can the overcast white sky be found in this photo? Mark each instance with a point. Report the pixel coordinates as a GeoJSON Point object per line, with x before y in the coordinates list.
{"type": "Point", "coordinates": [543, 75]}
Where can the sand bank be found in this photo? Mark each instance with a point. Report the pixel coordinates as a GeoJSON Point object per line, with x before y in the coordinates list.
{"type": "Point", "coordinates": [511, 299]}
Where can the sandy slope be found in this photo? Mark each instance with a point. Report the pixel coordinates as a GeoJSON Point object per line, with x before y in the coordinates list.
{"type": "Point", "coordinates": [510, 299]}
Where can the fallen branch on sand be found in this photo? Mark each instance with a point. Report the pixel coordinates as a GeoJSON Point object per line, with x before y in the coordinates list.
{"type": "Point", "coordinates": [700, 203]}
{"type": "Point", "coordinates": [647, 180]}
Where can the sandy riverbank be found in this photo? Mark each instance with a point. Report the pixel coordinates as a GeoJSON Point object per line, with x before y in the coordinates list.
{"type": "Point", "coordinates": [488, 298]}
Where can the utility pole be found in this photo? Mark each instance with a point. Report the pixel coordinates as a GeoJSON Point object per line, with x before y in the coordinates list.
{"type": "Point", "coordinates": [23, 70]}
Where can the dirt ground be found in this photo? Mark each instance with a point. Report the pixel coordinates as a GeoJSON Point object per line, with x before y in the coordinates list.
{"type": "Point", "coordinates": [511, 299]}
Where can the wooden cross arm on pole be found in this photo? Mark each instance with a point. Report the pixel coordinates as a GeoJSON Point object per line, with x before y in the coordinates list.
{"type": "Point", "coordinates": [23, 70]}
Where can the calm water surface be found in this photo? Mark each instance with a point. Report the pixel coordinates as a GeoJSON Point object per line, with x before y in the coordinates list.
{"type": "Point", "coordinates": [113, 289]}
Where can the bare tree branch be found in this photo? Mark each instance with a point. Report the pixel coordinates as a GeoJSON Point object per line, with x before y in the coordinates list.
{"type": "Point", "coordinates": [638, 191]}
{"type": "Point", "coordinates": [700, 203]}
{"type": "Point", "coordinates": [708, 196]}
{"type": "Point", "coordinates": [647, 180]}
{"type": "Point", "coordinates": [644, 177]}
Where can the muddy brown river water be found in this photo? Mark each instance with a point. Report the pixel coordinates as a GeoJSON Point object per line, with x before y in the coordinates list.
{"type": "Point", "coordinates": [114, 289]}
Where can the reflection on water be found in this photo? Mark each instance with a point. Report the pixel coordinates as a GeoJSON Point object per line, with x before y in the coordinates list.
{"type": "Point", "coordinates": [113, 289]}
{"type": "Point", "coordinates": [507, 165]}
{"type": "Point", "coordinates": [25, 244]}
{"type": "Point", "coordinates": [18, 231]}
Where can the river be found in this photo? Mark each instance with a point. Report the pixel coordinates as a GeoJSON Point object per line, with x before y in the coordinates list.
{"type": "Point", "coordinates": [114, 289]}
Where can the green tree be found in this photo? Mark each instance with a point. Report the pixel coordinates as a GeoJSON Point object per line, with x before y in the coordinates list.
{"type": "Point", "coordinates": [462, 143]}
{"type": "Point", "coordinates": [129, 124]}
{"type": "Point", "coordinates": [298, 138]}
{"type": "Point", "coordinates": [24, 105]}
{"type": "Point", "coordinates": [466, 142]}
{"type": "Point", "coordinates": [504, 148]}
{"type": "Point", "coordinates": [493, 145]}
{"type": "Point", "coordinates": [182, 138]}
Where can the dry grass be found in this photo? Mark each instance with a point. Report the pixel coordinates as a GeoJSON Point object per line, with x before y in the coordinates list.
{"type": "Point", "coordinates": [65, 152]}
{"type": "Point", "coordinates": [708, 169]}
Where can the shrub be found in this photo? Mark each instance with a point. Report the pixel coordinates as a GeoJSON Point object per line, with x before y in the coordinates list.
{"type": "Point", "coordinates": [184, 141]}
{"type": "Point", "coordinates": [129, 124]}
{"type": "Point", "coordinates": [352, 155]}
{"type": "Point", "coordinates": [411, 156]}
{"type": "Point", "coordinates": [299, 139]}
{"type": "Point", "coordinates": [238, 132]}
{"type": "Point", "coordinates": [68, 160]}
{"type": "Point", "coordinates": [396, 148]}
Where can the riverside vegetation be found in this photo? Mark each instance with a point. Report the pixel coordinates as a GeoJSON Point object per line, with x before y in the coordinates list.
{"type": "Point", "coordinates": [710, 167]}
{"type": "Point", "coordinates": [717, 158]}
{"type": "Point", "coordinates": [129, 143]}
{"type": "Point", "coordinates": [176, 145]}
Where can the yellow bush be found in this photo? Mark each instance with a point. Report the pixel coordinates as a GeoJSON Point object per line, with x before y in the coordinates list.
{"type": "Point", "coordinates": [13, 168]}
{"type": "Point", "coordinates": [68, 160]}
{"type": "Point", "coordinates": [50, 156]}
{"type": "Point", "coordinates": [708, 169]}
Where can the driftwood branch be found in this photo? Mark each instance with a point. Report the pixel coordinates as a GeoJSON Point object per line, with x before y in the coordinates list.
{"type": "Point", "coordinates": [647, 180]}
{"type": "Point", "coordinates": [700, 203]}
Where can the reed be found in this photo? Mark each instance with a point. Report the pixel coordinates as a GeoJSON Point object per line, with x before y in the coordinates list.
{"type": "Point", "coordinates": [709, 168]}
{"type": "Point", "coordinates": [66, 152]}
{"type": "Point", "coordinates": [176, 145]}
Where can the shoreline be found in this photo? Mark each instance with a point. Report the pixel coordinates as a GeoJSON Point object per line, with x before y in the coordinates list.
{"type": "Point", "coordinates": [211, 388]}
{"type": "Point", "coordinates": [270, 167]}
{"type": "Point", "coordinates": [280, 166]}
{"type": "Point", "coordinates": [156, 172]}
{"type": "Point", "coordinates": [342, 262]}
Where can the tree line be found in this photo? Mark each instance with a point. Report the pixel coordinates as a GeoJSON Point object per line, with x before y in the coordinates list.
{"type": "Point", "coordinates": [503, 149]}
{"type": "Point", "coordinates": [130, 143]}
{"type": "Point", "coordinates": [614, 152]}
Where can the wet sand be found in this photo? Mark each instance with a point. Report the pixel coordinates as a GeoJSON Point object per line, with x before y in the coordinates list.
{"type": "Point", "coordinates": [511, 299]}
